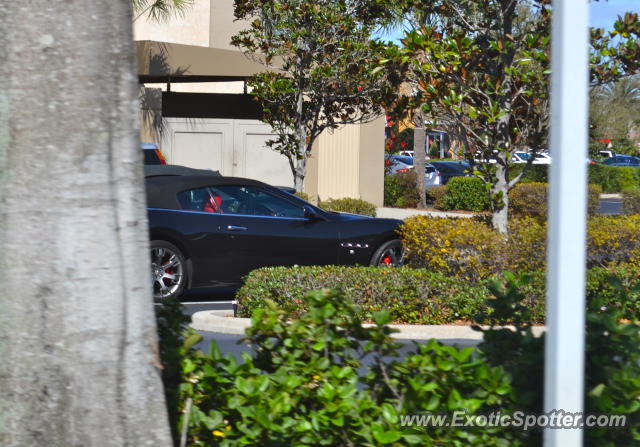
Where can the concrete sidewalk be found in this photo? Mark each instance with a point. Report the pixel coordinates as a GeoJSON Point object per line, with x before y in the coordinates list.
{"type": "Point", "coordinates": [403, 213]}
{"type": "Point", "coordinates": [223, 322]}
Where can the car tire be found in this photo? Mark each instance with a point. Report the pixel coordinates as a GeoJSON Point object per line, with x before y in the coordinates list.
{"type": "Point", "coordinates": [168, 270]}
{"type": "Point", "coordinates": [388, 254]}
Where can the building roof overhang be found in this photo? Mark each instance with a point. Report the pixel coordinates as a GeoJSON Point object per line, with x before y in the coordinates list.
{"type": "Point", "coordinates": [164, 61]}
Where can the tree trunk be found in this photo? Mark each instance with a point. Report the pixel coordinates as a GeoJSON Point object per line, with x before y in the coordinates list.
{"type": "Point", "coordinates": [500, 200]}
{"type": "Point", "coordinates": [299, 174]}
{"type": "Point", "coordinates": [78, 345]}
{"type": "Point", "coordinates": [419, 156]}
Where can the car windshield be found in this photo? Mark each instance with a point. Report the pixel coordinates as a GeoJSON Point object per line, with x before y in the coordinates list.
{"type": "Point", "coordinates": [451, 167]}
{"type": "Point", "coordinates": [404, 159]}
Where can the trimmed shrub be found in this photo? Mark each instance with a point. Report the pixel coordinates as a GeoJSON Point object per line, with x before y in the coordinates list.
{"type": "Point", "coordinates": [531, 199]}
{"type": "Point", "coordinates": [466, 193]}
{"type": "Point", "coordinates": [527, 245]}
{"type": "Point", "coordinates": [435, 196]}
{"type": "Point", "coordinates": [535, 173]}
{"type": "Point", "coordinates": [469, 249]}
{"type": "Point", "coordinates": [613, 178]}
{"type": "Point", "coordinates": [400, 190]}
{"type": "Point", "coordinates": [631, 201]}
{"type": "Point", "coordinates": [464, 248]}
{"type": "Point", "coordinates": [303, 195]}
{"type": "Point", "coordinates": [349, 205]}
{"type": "Point", "coordinates": [417, 296]}
{"type": "Point", "coordinates": [391, 190]}
{"type": "Point", "coordinates": [613, 239]}
{"type": "Point", "coordinates": [410, 295]}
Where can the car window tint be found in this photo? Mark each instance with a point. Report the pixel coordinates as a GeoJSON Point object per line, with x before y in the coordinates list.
{"type": "Point", "coordinates": [198, 200]}
{"type": "Point", "coordinates": [255, 201]}
{"type": "Point", "coordinates": [151, 157]}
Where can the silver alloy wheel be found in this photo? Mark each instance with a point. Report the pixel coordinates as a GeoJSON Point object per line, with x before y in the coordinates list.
{"type": "Point", "coordinates": [167, 272]}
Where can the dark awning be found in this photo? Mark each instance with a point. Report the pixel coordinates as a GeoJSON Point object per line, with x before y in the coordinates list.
{"type": "Point", "coordinates": [163, 61]}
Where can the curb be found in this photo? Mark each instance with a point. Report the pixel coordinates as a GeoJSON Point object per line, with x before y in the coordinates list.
{"type": "Point", "coordinates": [403, 213]}
{"type": "Point", "coordinates": [222, 322]}
{"type": "Point", "coordinates": [611, 196]}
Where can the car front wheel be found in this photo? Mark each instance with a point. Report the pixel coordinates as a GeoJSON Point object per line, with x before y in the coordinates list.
{"type": "Point", "coordinates": [389, 254]}
{"type": "Point", "coordinates": [168, 270]}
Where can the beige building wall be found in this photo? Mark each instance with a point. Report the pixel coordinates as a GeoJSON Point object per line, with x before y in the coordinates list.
{"type": "Point", "coordinates": [223, 24]}
{"type": "Point", "coordinates": [190, 28]}
{"type": "Point", "coordinates": [349, 162]}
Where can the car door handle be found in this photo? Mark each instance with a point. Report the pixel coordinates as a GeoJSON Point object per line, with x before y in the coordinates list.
{"type": "Point", "coordinates": [236, 228]}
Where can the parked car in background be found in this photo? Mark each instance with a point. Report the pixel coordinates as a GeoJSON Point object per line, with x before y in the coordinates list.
{"type": "Point", "coordinates": [622, 160]}
{"type": "Point", "coordinates": [406, 153]}
{"type": "Point", "coordinates": [207, 230]}
{"type": "Point", "coordinates": [397, 163]}
{"type": "Point", "coordinates": [522, 157]}
{"type": "Point", "coordinates": [152, 154]}
{"type": "Point", "coordinates": [401, 163]}
{"type": "Point", "coordinates": [607, 154]}
{"type": "Point", "coordinates": [450, 169]}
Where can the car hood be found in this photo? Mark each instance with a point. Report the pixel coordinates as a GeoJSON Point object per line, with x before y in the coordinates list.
{"type": "Point", "coordinates": [348, 217]}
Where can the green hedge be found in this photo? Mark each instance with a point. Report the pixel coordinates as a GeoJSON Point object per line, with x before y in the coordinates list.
{"type": "Point", "coordinates": [470, 250]}
{"type": "Point", "coordinates": [466, 193]}
{"type": "Point", "coordinates": [410, 295]}
{"type": "Point", "coordinates": [418, 296]}
{"type": "Point", "coordinates": [349, 205]}
{"type": "Point", "coordinates": [613, 179]}
{"type": "Point", "coordinates": [400, 190]}
{"type": "Point", "coordinates": [535, 173]}
{"type": "Point", "coordinates": [531, 199]}
{"type": "Point", "coordinates": [631, 201]}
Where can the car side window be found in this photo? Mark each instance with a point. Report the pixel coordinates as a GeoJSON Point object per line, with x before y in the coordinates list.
{"type": "Point", "coordinates": [256, 201]}
{"type": "Point", "coordinates": [238, 199]}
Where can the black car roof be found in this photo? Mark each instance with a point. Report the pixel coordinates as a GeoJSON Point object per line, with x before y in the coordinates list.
{"type": "Point", "coordinates": [173, 170]}
{"type": "Point", "coordinates": [163, 185]}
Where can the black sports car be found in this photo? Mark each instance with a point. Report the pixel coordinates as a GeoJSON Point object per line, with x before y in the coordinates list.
{"type": "Point", "coordinates": [207, 230]}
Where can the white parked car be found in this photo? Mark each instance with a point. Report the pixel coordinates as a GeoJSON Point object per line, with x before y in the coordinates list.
{"type": "Point", "coordinates": [522, 157]}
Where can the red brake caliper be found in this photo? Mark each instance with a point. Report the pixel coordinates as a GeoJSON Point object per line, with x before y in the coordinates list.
{"type": "Point", "coordinates": [386, 260]}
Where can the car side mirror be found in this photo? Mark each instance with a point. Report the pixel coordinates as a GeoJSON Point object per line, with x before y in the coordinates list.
{"type": "Point", "coordinates": [309, 212]}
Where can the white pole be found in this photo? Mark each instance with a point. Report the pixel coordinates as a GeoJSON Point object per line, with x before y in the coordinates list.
{"type": "Point", "coordinates": [564, 354]}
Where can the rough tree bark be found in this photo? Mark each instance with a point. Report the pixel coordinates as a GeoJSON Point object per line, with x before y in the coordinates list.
{"type": "Point", "coordinates": [420, 155]}
{"type": "Point", "coordinates": [78, 344]}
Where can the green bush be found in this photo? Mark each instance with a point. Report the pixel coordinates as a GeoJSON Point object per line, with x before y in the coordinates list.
{"type": "Point", "coordinates": [303, 195]}
{"type": "Point", "coordinates": [531, 199]}
{"type": "Point", "coordinates": [611, 356]}
{"type": "Point", "coordinates": [535, 173]}
{"type": "Point", "coordinates": [631, 201]}
{"type": "Point", "coordinates": [349, 205]}
{"type": "Point", "coordinates": [613, 239]}
{"type": "Point", "coordinates": [436, 195]}
{"type": "Point", "coordinates": [528, 199]}
{"type": "Point", "coordinates": [470, 250]}
{"type": "Point", "coordinates": [400, 190]}
{"type": "Point", "coordinates": [464, 248]}
{"type": "Point", "coordinates": [613, 178]}
{"type": "Point", "coordinates": [301, 385]}
{"type": "Point", "coordinates": [391, 190]}
{"type": "Point", "coordinates": [466, 193]}
{"type": "Point", "coordinates": [410, 295]}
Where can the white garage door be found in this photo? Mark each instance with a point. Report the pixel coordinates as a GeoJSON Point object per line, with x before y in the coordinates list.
{"type": "Point", "coordinates": [233, 147]}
